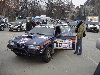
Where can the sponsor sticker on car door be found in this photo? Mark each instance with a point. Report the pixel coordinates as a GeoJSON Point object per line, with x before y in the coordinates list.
{"type": "Point", "coordinates": [68, 43]}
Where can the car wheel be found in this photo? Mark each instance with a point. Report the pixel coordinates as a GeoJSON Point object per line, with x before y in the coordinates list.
{"type": "Point", "coordinates": [47, 55]}
{"type": "Point", "coordinates": [18, 29]}
{"type": "Point", "coordinates": [18, 54]}
{"type": "Point", "coordinates": [97, 31]}
{"type": "Point", "coordinates": [2, 28]}
{"type": "Point", "coordinates": [10, 30]}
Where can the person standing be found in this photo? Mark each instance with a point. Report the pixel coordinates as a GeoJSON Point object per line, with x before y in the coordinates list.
{"type": "Point", "coordinates": [58, 31]}
{"type": "Point", "coordinates": [79, 30]}
{"type": "Point", "coordinates": [33, 24]}
{"type": "Point", "coordinates": [28, 26]}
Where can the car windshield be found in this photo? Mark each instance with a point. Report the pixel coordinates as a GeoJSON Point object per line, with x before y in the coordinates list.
{"type": "Point", "coordinates": [96, 23]}
{"type": "Point", "coordinates": [42, 31]}
{"type": "Point", "coordinates": [19, 21]}
{"type": "Point", "coordinates": [72, 23]}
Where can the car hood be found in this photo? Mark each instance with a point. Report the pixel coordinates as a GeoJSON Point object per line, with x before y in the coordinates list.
{"type": "Point", "coordinates": [32, 39]}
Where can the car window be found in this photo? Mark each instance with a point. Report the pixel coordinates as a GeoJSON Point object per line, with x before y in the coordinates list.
{"type": "Point", "coordinates": [72, 23]}
{"type": "Point", "coordinates": [24, 21]}
{"type": "Point", "coordinates": [66, 30]}
{"type": "Point", "coordinates": [18, 21]}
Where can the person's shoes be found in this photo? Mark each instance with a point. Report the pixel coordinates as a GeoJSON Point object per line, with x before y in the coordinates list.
{"type": "Point", "coordinates": [79, 54]}
{"type": "Point", "coordinates": [75, 52]}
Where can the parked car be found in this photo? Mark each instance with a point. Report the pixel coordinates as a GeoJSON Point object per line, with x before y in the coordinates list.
{"type": "Point", "coordinates": [18, 25]}
{"type": "Point", "coordinates": [92, 26]}
{"type": "Point", "coordinates": [41, 41]}
{"type": "Point", "coordinates": [2, 25]}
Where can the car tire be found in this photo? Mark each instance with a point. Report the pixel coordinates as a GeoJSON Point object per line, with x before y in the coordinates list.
{"type": "Point", "coordinates": [18, 54]}
{"type": "Point", "coordinates": [47, 55]}
{"type": "Point", "coordinates": [2, 28]}
{"type": "Point", "coordinates": [97, 31]}
{"type": "Point", "coordinates": [10, 30]}
{"type": "Point", "coordinates": [18, 29]}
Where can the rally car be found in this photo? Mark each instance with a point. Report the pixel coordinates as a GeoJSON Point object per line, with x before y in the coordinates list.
{"type": "Point", "coordinates": [41, 40]}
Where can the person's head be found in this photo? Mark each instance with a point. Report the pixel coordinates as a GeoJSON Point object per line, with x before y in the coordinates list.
{"type": "Point", "coordinates": [79, 22]}
{"type": "Point", "coordinates": [29, 19]}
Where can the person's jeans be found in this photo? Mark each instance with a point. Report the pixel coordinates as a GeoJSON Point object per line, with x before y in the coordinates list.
{"type": "Point", "coordinates": [79, 45]}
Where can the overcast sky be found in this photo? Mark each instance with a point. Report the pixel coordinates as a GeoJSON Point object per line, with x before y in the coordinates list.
{"type": "Point", "coordinates": [78, 2]}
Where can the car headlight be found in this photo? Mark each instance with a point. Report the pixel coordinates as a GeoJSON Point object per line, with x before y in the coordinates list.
{"type": "Point", "coordinates": [33, 47]}
{"type": "Point", "coordinates": [11, 42]}
{"type": "Point", "coordinates": [15, 26]}
{"type": "Point", "coordinates": [19, 25]}
{"type": "Point", "coordinates": [97, 26]}
{"type": "Point", "coordinates": [10, 25]}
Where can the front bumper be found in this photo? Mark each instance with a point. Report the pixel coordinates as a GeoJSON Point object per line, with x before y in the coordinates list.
{"type": "Point", "coordinates": [93, 29]}
{"type": "Point", "coordinates": [12, 28]}
{"type": "Point", "coordinates": [24, 50]}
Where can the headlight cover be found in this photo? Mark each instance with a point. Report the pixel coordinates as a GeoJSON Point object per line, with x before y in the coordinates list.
{"type": "Point", "coordinates": [97, 26]}
{"type": "Point", "coordinates": [11, 42]}
{"type": "Point", "coordinates": [15, 26]}
{"type": "Point", "coordinates": [33, 47]}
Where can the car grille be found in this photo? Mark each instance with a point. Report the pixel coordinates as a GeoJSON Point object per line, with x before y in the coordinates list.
{"type": "Point", "coordinates": [21, 46]}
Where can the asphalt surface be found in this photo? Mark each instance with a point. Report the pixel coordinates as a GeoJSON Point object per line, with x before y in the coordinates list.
{"type": "Point", "coordinates": [64, 62]}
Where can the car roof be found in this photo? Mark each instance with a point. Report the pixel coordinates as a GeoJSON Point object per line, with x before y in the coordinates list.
{"type": "Point", "coordinates": [51, 25]}
{"type": "Point", "coordinates": [44, 25]}
{"type": "Point", "coordinates": [60, 25]}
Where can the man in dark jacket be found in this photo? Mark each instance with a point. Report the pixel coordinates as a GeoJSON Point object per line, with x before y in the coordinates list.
{"type": "Point", "coordinates": [28, 26]}
{"type": "Point", "coordinates": [79, 30]}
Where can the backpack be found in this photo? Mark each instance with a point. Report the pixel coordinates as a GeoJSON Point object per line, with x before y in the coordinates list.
{"type": "Point", "coordinates": [84, 34]}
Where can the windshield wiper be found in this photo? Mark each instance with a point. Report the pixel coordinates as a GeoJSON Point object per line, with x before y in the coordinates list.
{"type": "Point", "coordinates": [40, 33]}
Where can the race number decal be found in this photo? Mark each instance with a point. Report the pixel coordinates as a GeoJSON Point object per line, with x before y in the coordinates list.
{"type": "Point", "coordinates": [58, 45]}
{"type": "Point", "coordinates": [67, 44]}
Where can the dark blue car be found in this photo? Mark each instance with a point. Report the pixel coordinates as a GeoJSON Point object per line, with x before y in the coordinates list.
{"type": "Point", "coordinates": [42, 41]}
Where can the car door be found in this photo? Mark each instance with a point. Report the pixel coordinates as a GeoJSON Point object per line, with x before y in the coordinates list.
{"type": "Point", "coordinates": [66, 40]}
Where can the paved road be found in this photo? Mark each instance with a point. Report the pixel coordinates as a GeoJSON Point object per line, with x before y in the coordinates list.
{"type": "Point", "coordinates": [62, 63]}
